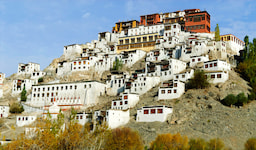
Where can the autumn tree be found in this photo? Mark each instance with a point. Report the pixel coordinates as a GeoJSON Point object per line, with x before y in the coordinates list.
{"type": "Point", "coordinates": [197, 144]}
{"type": "Point", "coordinates": [124, 139]}
{"type": "Point", "coordinates": [169, 141]}
{"type": "Point", "coordinates": [217, 33]}
{"type": "Point", "coordinates": [215, 144]}
{"type": "Point", "coordinates": [250, 144]}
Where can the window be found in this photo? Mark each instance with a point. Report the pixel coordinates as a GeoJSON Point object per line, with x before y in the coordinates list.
{"type": "Point", "coordinates": [175, 91]}
{"type": "Point", "coordinates": [126, 96]}
{"type": "Point", "coordinates": [138, 40]}
{"type": "Point", "coordinates": [121, 42]}
{"type": "Point", "coordinates": [183, 76]}
{"type": "Point", "coordinates": [162, 91]}
{"type": "Point", "coordinates": [210, 65]}
{"type": "Point", "coordinates": [199, 59]}
{"type": "Point", "coordinates": [114, 103]}
{"type": "Point", "coordinates": [218, 75]}
{"type": "Point", "coordinates": [144, 39]}
{"type": "Point", "coordinates": [81, 117]}
{"type": "Point", "coordinates": [52, 88]}
{"type": "Point", "coordinates": [215, 64]}
{"type": "Point", "coordinates": [152, 111]}
{"type": "Point", "coordinates": [146, 111]}
{"type": "Point", "coordinates": [70, 87]}
{"type": "Point", "coordinates": [121, 103]}
{"type": "Point", "coordinates": [126, 41]}
{"type": "Point", "coordinates": [206, 66]}
{"type": "Point", "coordinates": [213, 76]}
{"type": "Point", "coordinates": [159, 111]}
{"type": "Point", "coordinates": [169, 91]}
{"type": "Point", "coordinates": [125, 102]}
{"type": "Point", "coordinates": [193, 60]}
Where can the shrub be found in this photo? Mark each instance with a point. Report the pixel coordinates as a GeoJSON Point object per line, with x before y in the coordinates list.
{"type": "Point", "coordinates": [252, 96]}
{"type": "Point", "coordinates": [169, 141]}
{"type": "Point", "coordinates": [199, 81]}
{"type": "Point", "coordinates": [229, 100]}
{"type": "Point", "coordinates": [16, 108]}
{"type": "Point", "coordinates": [250, 144]}
{"type": "Point", "coordinates": [125, 139]}
{"type": "Point", "coordinates": [241, 99]}
{"type": "Point", "coordinates": [215, 144]}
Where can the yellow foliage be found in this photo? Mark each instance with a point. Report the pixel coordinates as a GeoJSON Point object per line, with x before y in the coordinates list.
{"type": "Point", "coordinates": [250, 144]}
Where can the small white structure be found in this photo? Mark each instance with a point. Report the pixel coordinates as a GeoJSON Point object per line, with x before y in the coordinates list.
{"type": "Point", "coordinates": [194, 60]}
{"type": "Point", "coordinates": [116, 118]}
{"type": "Point", "coordinates": [83, 118]}
{"type": "Point", "coordinates": [25, 120]}
{"type": "Point", "coordinates": [216, 65]}
{"type": "Point", "coordinates": [74, 94]}
{"type": "Point", "coordinates": [28, 68]}
{"type": "Point", "coordinates": [4, 111]}
{"type": "Point", "coordinates": [116, 82]}
{"type": "Point", "coordinates": [171, 90]}
{"type": "Point", "coordinates": [153, 113]}
{"type": "Point", "coordinates": [2, 77]}
{"type": "Point", "coordinates": [184, 75]}
{"type": "Point", "coordinates": [127, 101]}
{"type": "Point", "coordinates": [18, 85]}
{"type": "Point", "coordinates": [83, 63]}
{"type": "Point", "coordinates": [70, 52]}
{"type": "Point", "coordinates": [37, 75]}
{"type": "Point", "coordinates": [217, 76]}
{"type": "Point", "coordinates": [143, 84]}
{"type": "Point", "coordinates": [64, 68]}
{"type": "Point", "coordinates": [53, 111]}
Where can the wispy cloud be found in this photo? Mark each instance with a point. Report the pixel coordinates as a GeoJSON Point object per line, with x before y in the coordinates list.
{"type": "Point", "coordinates": [86, 15]}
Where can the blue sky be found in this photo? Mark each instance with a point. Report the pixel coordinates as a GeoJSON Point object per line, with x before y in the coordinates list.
{"type": "Point", "coordinates": [37, 30]}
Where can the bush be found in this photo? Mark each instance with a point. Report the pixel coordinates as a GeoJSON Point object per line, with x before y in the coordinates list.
{"type": "Point", "coordinates": [199, 81]}
{"type": "Point", "coordinates": [41, 79]}
{"type": "Point", "coordinates": [196, 144]}
{"type": "Point", "coordinates": [23, 96]}
{"type": "Point", "coordinates": [16, 108]}
{"type": "Point", "coordinates": [241, 99]}
{"type": "Point", "coordinates": [125, 139]}
{"type": "Point", "coordinates": [215, 144]}
{"type": "Point", "coordinates": [117, 64]}
{"type": "Point", "coordinates": [250, 144]}
{"type": "Point", "coordinates": [169, 141]}
{"type": "Point", "coordinates": [252, 96]}
{"type": "Point", "coordinates": [229, 100]}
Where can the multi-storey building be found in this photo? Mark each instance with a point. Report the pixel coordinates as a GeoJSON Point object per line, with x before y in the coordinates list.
{"type": "Point", "coordinates": [28, 68]}
{"type": "Point", "coordinates": [126, 101]}
{"type": "Point", "coordinates": [144, 42]}
{"type": "Point", "coordinates": [197, 21]}
{"type": "Point", "coordinates": [174, 17]}
{"type": "Point", "coordinates": [234, 44]}
{"type": "Point", "coordinates": [151, 19]}
{"type": "Point", "coordinates": [171, 90]}
{"type": "Point", "coordinates": [18, 85]}
{"type": "Point", "coordinates": [124, 26]}
{"type": "Point", "coordinates": [67, 94]}
{"type": "Point", "coordinates": [216, 65]}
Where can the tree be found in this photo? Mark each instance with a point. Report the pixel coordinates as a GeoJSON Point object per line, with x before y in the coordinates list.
{"type": "Point", "coordinates": [229, 100]}
{"type": "Point", "coordinates": [199, 81]}
{"type": "Point", "coordinates": [41, 80]}
{"type": "Point", "coordinates": [169, 141]}
{"type": "Point", "coordinates": [246, 41]}
{"type": "Point", "coordinates": [250, 144]}
{"type": "Point", "coordinates": [118, 64]}
{"type": "Point", "coordinates": [217, 33]}
{"type": "Point", "coordinates": [215, 144]}
{"type": "Point", "coordinates": [196, 144]}
{"type": "Point", "coordinates": [241, 99]}
{"type": "Point", "coordinates": [16, 108]}
{"type": "Point", "coordinates": [23, 96]}
{"type": "Point", "coordinates": [124, 139]}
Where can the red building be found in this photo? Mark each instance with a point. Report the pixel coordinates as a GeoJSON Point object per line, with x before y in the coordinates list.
{"type": "Point", "coordinates": [149, 19]}
{"type": "Point", "coordinates": [197, 21]}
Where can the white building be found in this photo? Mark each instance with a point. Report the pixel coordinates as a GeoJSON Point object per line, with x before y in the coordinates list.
{"type": "Point", "coordinates": [127, 101]}
{"type": "Point", "coordinates": [37, 75]}
{"type": "Point", "coordinates": [129, 58]}
{"type": "Point", "coordinates": [53, 111]}
{"type": "Point", "coordinates": [67, 94]}
{"type": "Point", "coordinates": [116, 118]}
{"type": "Point", "coordinates": [4, 111]}
{"type": "Point", "coordinates": [70, 52]}
{"type": "Point", "coordinates": [83, 63]}
{"type": "Point", "coordinates": [83, 118]}
{"type": "Point", "coordinates": [171, 90]}
{"type": "Point", "coordinates": [143, 84]}
{"type": "Point", "coordinates": [2, 77]}
{"type": "Point", "coordinates": [165, 69]}
{"type": "Point", "coordinates": [194, 60]}
{"type": "Point", "coordinates": [104, 64]}
{"type": "Point", "coordinates": [116, 82]}
{"type": "Point", "coordinates": [184, 75]}
{"type": "Point", "coordinates": [153, 113]}
{"type": "Point", "coordinates": [24, 120]}
{"type": "Point", "coordinates": [217, 76]}
{"type": "Point", "coordinates": [157, 55]}
{"type": "Point", "coordinates": [234, 44]}
{"type": "Point", "coordinates": [18, 85]}
{"type": "Point", "coordinates": [140, 30]}
{"type": "Point", "coordinates": [64, 68]}
{"type": "Point", "coordinates": [216, 65]}
{"type": "Point", "coordinates": [28, 68]}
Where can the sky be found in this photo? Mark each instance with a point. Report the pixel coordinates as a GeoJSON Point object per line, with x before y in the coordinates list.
{"type": "Point", "coordinates": [37, 30]}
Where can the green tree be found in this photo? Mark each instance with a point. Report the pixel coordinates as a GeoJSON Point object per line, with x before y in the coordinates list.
{"type": "Point", "coordinates": [23, 96]}
{"type": "Point", "coordinates": [199, 81]}
{"type": "Point", "coordinates": [246, 41]}
{"type": "Point", "coordinates": [118, 64]}
{"type": "Point", "coordinates": [241, 99]}
{"type": "Point", "coordinates": [229, 100]}
{"type": "Point", "coordinates": [16, 108]}
{"type": "Point", "coordinates": [217, 33]}
{"type": "Point", "coordinates": [250, 144]}
{"type": "Point", "coordinates": [41, 80]}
